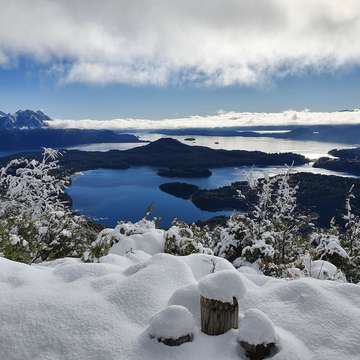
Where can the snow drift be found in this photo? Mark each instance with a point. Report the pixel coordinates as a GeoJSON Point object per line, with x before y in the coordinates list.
{"type": "Point", "coordinates": [66, 309]}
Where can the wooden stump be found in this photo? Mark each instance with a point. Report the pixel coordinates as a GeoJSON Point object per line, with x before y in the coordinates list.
{"type": "Point", "coordinates": [177, 342]}
{"type": "Point", "coordinates": [218, 317]}
{"type": "Point", "coordinates": [258, 352]}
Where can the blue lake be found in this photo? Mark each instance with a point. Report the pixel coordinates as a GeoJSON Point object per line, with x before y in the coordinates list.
{"type": "Point", "coordinates": [111, 195]}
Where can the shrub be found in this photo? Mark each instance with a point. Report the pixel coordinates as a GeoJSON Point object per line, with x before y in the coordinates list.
{"type": "Point", "coordinates": [36, 223]}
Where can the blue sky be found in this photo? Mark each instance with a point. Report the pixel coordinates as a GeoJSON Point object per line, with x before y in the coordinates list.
{"type": "Point", "coordinates": [29, 86]}
{"type": "Point", "coordinates": [153, 59]}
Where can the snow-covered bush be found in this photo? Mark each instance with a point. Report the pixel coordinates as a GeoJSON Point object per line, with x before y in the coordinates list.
{"type": "Point", "coordinates": [323, 270]}
{"type": "Point", "coordinates": [351, 238]}
{"type": "Point", "coordinates": [352, 226]}
{"type": "Point", "coordinates": [36, 223]}
{"type": "Point", "coordinates": [286, 221]}
{"type": "Point", "coordinates": [272, 232]}
{"type": "Point", "coordinates": [126, 237]}
{"type": "Point", "coordinates": [327, 247]}
{"type": "Point", "coordinates": [184, 239]}
{"type": "Point", "coordinates": [233, 238]}
{"type": "Point", "coordinates": [340, 244]}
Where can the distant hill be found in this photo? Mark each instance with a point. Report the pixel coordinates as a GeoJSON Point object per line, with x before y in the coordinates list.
{"type": "Point", "coordinates": [23, 119]}
{"type": "Point", "coordinates": [11, 139]}
{"type": "Point", "coordinates": [166, 153]}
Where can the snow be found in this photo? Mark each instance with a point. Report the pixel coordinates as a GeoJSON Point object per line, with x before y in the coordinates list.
{"type": "Point", "coordinates": [66, 309]}
{"type": "Point", "coordinates": [329, 245]}
{"type": "Point", "coordinates": [14, 239]}
{"type": "Point", "coordinates": [256, 328]}
{"type": "Point", "coordinates": [223, 286]}
{"type": "Point", "coordinates": [320, 269]}
{"type": "Point", "coordinates": [189, 297]}
{"type": "Point", "coordinates": [201, 264]}
{"type": "Point", "coordinates": [151, 241]}
{"type": "Point", "coordinates": [141, 235]}
{"type": "Point", "coordinates": [172, 323]}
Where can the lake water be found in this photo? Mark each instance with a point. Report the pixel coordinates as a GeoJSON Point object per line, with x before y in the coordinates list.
{"type": "Point", "coordinates": [112, 195]}
{"type": "Point", "coordinates": [310, 149]}
{"type": "Point", "coordinates": [107, 146]}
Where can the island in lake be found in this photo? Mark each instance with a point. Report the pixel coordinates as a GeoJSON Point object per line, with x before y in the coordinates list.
{"type": "Point", "coordinates": [323, 195]}
{"type": "Point", "coordinates": [346, 160]}
{"type": "Point", "coordinates": [166, 153]}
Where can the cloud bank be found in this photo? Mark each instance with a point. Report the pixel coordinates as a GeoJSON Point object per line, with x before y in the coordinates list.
{"type": "Point", "coordinates": [222, 119]}
{"type": "Point", "coordinates": [162, 42]}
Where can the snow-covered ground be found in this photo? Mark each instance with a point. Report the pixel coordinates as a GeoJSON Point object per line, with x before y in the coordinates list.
{"type": "Point", "coordinates": [66, 309]}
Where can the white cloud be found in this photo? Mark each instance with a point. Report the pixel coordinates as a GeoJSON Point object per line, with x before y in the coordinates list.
{"type": "Point", "coordinates": [214, 42]}
{"type": "Point", "coordinates": [221, 119]}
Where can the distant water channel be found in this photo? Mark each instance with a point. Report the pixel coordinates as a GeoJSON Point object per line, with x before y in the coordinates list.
{"type": "Point", "coordinates": [310, 149]}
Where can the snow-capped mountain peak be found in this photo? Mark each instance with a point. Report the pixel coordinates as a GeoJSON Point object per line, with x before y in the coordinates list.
{"type": "Point", "coordinates": [23, 119]}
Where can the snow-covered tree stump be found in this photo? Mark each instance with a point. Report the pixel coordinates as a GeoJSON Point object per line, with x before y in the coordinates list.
{"type": "Point", "coordinates": [257, 335]}
{"type": "Point", "coordinates": [218, 317]}
{"type": "Point", "coordinates": [173, 326]}
{"type": "Point", "coordinates": [219, 306]}
{"type": "Point", "coordinates": [257, 352]}
{"type": "Point", "coordinates": [178, 341]}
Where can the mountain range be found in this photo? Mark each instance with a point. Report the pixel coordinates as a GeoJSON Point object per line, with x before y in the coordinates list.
{"type": "Point", "coordinates": [23, 119]}
{"type": "Point", "coordinates": [27, 129]}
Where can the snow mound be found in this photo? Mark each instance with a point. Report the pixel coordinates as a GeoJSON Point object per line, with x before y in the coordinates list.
{"type": "Point", "coordinates": [172, 323]}
{"type": "Point", "coordinates": [248, 270]}
{"type": "Point", "coordinates": [189, 297]}
{"type": "Point", "coordinates": [321, 269]}
{"type": "Point", "coordinates": [66, 309]}
{"type": "Point", "coordinates": [203, 264]}
{"type": "Point", "coordinates": [222, 286]}
{"type": "Point", "coordinates": [131, 257]}
{"type": "Point", "coordinates": [151, 241]}
{"type": "Point", "coordinates": [256, 328]}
